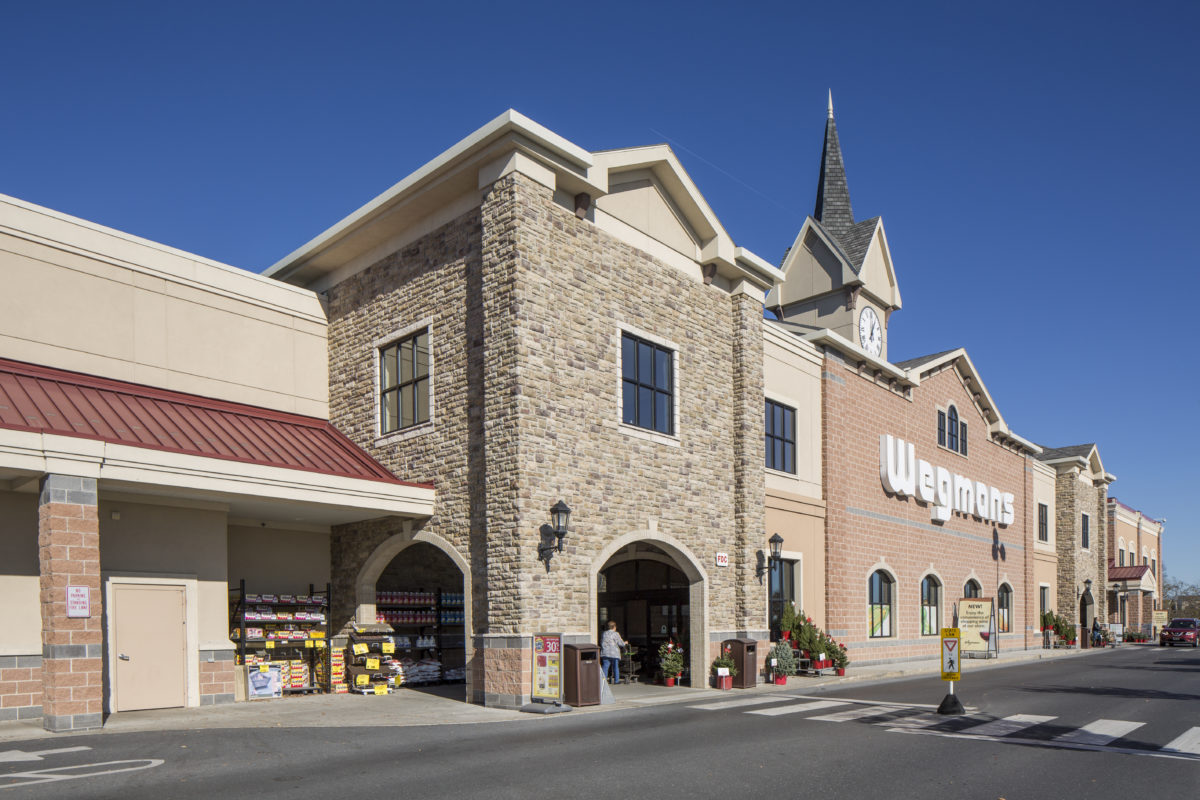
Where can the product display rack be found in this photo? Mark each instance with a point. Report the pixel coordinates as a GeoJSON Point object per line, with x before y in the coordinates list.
{"type": "Point", "coordinates": [284, 628]}
{"type": "Point", "coordinates": [426, 623]}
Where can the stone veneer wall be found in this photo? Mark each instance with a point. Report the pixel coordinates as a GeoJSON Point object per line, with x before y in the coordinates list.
{"type": "Point", "coordinates": [866, 527]}
{"type": "Point", "coordinates": [527, 303]}
{"type": "Point", "coordinates": [216, 677]}
{"type": "Point", "coordinates": [1074, 497]}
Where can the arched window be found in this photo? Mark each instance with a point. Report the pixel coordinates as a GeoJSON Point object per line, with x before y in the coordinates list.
{"type": "Point", "coordinates": [971, 589]}
{"type": "Point", "coordinates": [952, 429]}
{"type": "Point", "coordinates": [931, 606]}
{"type": "Point", "coordinates": [1121, 553]}
{"type": "Point", "coordinates": [879, 604]}
{"type": "Point", "coordinates": [1005, 602]}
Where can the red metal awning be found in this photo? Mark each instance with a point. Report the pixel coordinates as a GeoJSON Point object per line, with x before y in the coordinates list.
{"type": "Point", "coordinates": [56, 401]}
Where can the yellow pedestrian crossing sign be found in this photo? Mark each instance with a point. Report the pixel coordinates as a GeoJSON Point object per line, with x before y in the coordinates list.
{"type": "Point", "coordinates": [951, 654]}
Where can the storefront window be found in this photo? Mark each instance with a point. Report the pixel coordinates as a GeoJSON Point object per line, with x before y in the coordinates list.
{"type": "Point", "coordinates": [782, 589]}
{"type": "Point", "coordinates": [931, 602]}
{"type": "Point", "coordinates": [879, 604]}
{"type": "Point", "coordinates": [1044, 605]}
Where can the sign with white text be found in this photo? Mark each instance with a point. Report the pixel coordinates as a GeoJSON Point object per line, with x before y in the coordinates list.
{"type": "Point", "coordinates": [547, 666]}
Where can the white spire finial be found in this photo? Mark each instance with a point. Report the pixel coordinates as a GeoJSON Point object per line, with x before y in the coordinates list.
{"type": "Point", "coordinates": [831, 103]}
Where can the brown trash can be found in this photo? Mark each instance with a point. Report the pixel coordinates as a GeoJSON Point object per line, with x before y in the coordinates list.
{"type": "Point", "coordinates": [581, 674]}
{"type": "Point", "coordinates": [745, 656]}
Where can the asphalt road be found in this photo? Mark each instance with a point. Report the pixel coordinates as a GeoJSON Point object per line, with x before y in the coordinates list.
{"type": "Point", "coordinates": [1091, 727]}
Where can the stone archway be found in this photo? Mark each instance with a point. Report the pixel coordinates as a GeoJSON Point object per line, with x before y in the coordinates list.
{"type": "Point", "coordinates": [681, 558]}
{"type": "Point", "coordinates": [1087, 611]}
{"type": "Point", "coordinates": [383, 555]}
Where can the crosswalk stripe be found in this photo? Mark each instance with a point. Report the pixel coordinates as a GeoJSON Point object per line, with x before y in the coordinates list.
{"type": "Point", "coordinates": [797, 708]}
{"type": "Point", "coordinates": [1003, 727]}
{"type": "Point", "coordinates": [1189, 742]}
{"type": "Point", "coordinates": [742, 702]}
{"type": "Point", "coordinates": [923, 720]}
{"type": "Point", "coordinates": [858, 713]}
{"type": "Point", "coordinates": [1100, 732]}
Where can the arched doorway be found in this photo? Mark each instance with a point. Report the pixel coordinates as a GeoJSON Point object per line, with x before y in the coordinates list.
{"type": "Point", "coordinates": [1087, 611]}
{"type": "Point", "coordinates": [417, 586]}
{"type": "Point", "coordinates": [654, 591]}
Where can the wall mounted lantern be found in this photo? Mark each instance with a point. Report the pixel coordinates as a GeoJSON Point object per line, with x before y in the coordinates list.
{"type": "Point", "coordinates": [552, 535]}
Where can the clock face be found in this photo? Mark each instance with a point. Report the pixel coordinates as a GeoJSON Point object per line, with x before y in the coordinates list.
{"type": "Point", "coordinates": [870, 332]}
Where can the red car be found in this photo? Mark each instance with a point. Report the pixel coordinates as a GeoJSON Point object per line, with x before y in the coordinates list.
{"type": "Point", "coordinates": [1185, 630]}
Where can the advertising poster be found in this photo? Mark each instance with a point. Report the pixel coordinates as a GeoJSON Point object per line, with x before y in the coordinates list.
{"type": "Point", "coordinates": [977, 626]}
{"type": "Point", "coordinates": [262, 684]}
{"type": "Point", "coordinates": [547, 666]}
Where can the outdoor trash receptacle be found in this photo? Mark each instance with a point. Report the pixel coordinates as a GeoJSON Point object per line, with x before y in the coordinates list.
{"type": "Point", "coordinates": [745, 657]}
{"type": "Point", "coordinates": [581, 674]}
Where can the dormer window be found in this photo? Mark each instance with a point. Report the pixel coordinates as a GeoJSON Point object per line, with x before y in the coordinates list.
{"type": "Point", "coordinates": [952, 432]}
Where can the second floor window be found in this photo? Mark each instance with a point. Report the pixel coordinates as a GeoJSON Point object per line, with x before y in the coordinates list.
{"type": "Point", "coordinates": [647, 385]}
{"type": "Point", "coordinates": [1043, 522]}
{"type": "Point", "coordinates": [1085, 534]}
{"type": "Point", "coordinates": [952, 432]}
{"type": "Point", "coordinates": [780, 437]}
{"type": "Point", "coordinates": [404, 383]}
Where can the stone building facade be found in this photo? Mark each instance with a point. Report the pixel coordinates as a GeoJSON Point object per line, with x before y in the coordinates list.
{"type": "Point", "coordinates": [1134, 567]}
{"type": "Point", "coordinates": [1080, 496]}
{"type": "Point", "coordinates": [527, 289]}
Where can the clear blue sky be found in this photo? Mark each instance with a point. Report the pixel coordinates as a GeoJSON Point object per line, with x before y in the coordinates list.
{"type": "Point", "coordinates": [1036, 167]}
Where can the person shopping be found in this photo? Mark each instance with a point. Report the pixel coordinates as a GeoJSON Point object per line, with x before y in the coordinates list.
{"type": "Point", "coordinates": [611, 645]}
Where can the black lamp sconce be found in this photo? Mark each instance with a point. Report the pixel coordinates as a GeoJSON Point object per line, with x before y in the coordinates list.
{"type": "Point", "coordinates": [552, 535]}
{"type": "Point", "coordinates": [776, 542]}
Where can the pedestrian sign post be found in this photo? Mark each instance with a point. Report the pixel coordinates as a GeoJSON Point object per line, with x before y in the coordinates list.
{"type": "Point", "coordinates": [951, 655]}
{"type": "Point", "coordinates": [951, 652]}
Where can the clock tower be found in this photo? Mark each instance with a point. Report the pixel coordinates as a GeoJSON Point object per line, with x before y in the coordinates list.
{"type": "Point", "coordinates": [838, 273]}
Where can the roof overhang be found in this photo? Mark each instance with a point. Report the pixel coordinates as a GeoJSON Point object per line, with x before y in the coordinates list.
{"type": "Point", "coordinates": [1145, 584]}
{"type": "Point", "coordinates": [253, 491]}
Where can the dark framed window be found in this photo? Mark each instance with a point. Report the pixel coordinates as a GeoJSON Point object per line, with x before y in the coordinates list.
{"type": "Point", "coordinates": [1044, 599]}
{"type": "Point", "coordinates": [962, 438]}
{"type": "Point", "coordinates": [1154, 565]}
{"type": "Point", "coordinates": [1005, 610]}
{"type": "Point", "coordinates": [782, 588]}
{"type": "Point", "coordinates": [404, 383]}
{"type": "Point", "coordinates": [780, 437]}
{"type": "Point", "coordinates": [942, 428]}
{"type": "Point", "coordinates": [1120, 558]}
{"type": "Point", "coordinates": [952, 429]}
{"type": "Point", "coordinates": [879, 604]}
{"type": "Point", "coordinates": [1145, 561]}
{"type": "Point", "coordinates": [952, 432]}
{"type": "Point", "coordinates": [1043, 522]}
{"type": "Point", "coordinates": [647, 385]}
{"type": "Point", "coordinates": [971, 589]}
{"type": "Point", "coordinates": [1085, 534]}
{"type": "Point", "coordinates": [931, 606]}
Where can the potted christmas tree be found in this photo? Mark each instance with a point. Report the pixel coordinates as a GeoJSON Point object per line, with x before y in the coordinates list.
{"type": "Point", "coordinates": [724, 663]}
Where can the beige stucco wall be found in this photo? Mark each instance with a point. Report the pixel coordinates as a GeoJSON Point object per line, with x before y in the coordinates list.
{"type": "Point", "coordinates": [639, 201]}
{"type": "Point", "coordinates": [801, 523]}
{"type": "Point", "coordinates": [154, 540]}
{"type": "Point", "coordinates": [278, 561]}
{"type": "Point", "coordinates": [792, 376]}
{"type": "Point", "coordinates": [20, 615]}
{"type": "Point", "coordinates": [82, 297]}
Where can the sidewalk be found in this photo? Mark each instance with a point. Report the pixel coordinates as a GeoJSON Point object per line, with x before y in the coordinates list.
{"type": "Point", "coordinates": [442, 705]}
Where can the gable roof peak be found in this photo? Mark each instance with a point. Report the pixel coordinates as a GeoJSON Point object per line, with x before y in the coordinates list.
{"type": "Point", "coordinates": [832, 207]}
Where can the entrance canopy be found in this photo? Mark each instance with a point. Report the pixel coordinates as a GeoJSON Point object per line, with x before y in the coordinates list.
{"type": "Point", "coordinates": [1136, 578]}
{"type": "Point", "coordinates": [135, 439]}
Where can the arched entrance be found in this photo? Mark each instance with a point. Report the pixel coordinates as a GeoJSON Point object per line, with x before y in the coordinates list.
{"type": "Point", "coordinates": [654, 590]}
{"type": "Point", "coordinates": [1087, 612]}
{"type": "Point", "coordinates": [416, 584]}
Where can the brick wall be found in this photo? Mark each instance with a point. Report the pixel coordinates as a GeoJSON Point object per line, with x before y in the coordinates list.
{"type": "Point", "coordinates": [216, 677]}
{"type": "Point", "coordinates": [865, 526]}
{"type": "Point", "coordinates": [20, 687]}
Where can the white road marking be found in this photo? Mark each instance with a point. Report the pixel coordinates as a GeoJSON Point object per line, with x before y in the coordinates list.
{"type": "Point", "coordinates": [1189, 742]}
{"type": "Point", "coordinates": [745, 701]}
{"type": "Point", "coordinates": [1003, 727]}
{"type": "Point", "coordinates": [873, 702]}
{"type": "Point", "coordinates": [21, 755]}
{"type": "Point", "coordinates": [1054, 743]}
{"type": "Point", "coordinates": [797, 708]}
{"type": "Point", "coordinates": [925, 719]}
{"type": "Point", "coordinates": [1100, 732]}
{"type": "Point", "coordinates": [32, 777]}
{"type": "Point", "coordinates": [857, 713]}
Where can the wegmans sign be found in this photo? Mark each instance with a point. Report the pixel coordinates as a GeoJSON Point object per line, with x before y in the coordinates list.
{"type": "Point", "coordinates": [905, 475]}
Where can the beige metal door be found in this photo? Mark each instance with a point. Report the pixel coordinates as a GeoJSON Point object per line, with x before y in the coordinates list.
{"type": "Point", "coordinates": [150, 637]}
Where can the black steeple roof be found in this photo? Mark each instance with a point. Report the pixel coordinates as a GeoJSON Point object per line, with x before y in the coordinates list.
{"type": "Point", "coordinates": [833, 194]}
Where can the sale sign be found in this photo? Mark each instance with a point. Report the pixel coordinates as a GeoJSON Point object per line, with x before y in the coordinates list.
{"type": "Point", "coordinates": [547, 666]}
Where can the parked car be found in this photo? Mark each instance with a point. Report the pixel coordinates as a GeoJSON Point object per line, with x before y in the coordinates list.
{"type": "Point", "coordinates": [1184, 630]}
